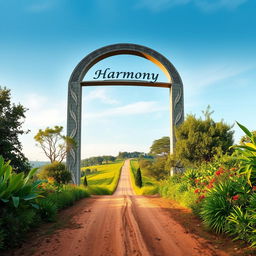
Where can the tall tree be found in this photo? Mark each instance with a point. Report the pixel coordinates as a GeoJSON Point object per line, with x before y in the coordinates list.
{"type": "Point", "coordinates": [199, 140]}
{"type": "Point", "coordinates": [54, 144]}
{"type": "Point", "coordinates": [161, 146]}
{"type": "Point", "coordinates": [11, 120]}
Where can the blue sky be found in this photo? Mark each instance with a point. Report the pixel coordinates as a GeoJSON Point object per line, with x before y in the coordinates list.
{"type": "Point", "coordinates": [211, 43]}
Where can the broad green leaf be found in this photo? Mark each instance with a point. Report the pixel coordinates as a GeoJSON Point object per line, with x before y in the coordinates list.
{"type": "Point", "coordinates": [36, 206]}
{"type": "Point", "coordinates": [246, 131]}
{"type": "Point", "coordinates": [16, 201]}
{"type": "Point", "coordinates": [30, 174]}
{"type": "Point", "coordinates": [16, 181]}
{"type": "Point", "coordinates": [30, 197]}
{"type": "Point", "coordinates": [7, 172]}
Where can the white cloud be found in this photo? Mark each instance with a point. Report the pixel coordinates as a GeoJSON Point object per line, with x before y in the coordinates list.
{"type": "Point", "coordinates": [137, 108]}
{"type": "Point", "coordinates": [99, 94]}
{"type": "Point", "coordinates": [205, 5]}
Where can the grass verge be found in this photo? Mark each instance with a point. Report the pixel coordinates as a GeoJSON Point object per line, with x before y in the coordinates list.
{"type": "Point", "coordinates": [103, 181]}
{"type": "Point", "coordinates": [150, 186]}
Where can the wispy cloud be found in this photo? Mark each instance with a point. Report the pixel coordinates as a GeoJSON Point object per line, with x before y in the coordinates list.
{"type": "Point", "coordinates": [99, 94]}
{"type": "Point", "coordinates": [197, 80]}
{"type": "Point", "coordinates": [40, 5]}
{"type": "Point", "coordinates": [137, 108]}
{"type": "Point", "coordinates": [205, 5]}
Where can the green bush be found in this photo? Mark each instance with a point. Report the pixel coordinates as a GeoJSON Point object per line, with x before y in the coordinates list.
{"type": "Point", "coordinates": [56, 170]}
{"type": "Point", "coordinates": [24, 203]}
{"type": "Point", "coordinates": [67, 196]}
{"type": "Point", "coordinates": [138, 178]}
{"type": "Point", "coordinates": [47, 209]}
{"type": "Point", "coordinates": [220, 202]}
{"type": "Point", "coordinates": [239, 224]}
{"type": "Point", "coordinates": [15, 223]}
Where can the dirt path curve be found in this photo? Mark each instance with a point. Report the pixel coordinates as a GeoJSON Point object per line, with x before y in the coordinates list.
{"type": "Point", "coordinates": [123, 224]}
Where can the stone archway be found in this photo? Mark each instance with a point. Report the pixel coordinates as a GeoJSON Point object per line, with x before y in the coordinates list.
{"type": "Point", "coordinates": [75, 93]}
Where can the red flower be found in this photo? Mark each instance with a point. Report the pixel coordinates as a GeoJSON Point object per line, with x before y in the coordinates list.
{"type": "Point", "coordinates": [197, 190]}
{"type": "Point", "coordinates": [210, 186]}
{"type": "Point", "coordinates": [253, 188]}
{"type": "Point", "coordinates": [201, 196]}
{"type": "Point", "coordinates": [212, 180]}
{"type": "Point", "coordinates": [218, 173]}
{"type": "Point", "coordinates": [236, 197]}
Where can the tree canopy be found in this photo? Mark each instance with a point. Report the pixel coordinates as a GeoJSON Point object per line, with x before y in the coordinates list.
{"type": "Point", "coordinates": [53, 143]}
{"type": "Point", "coordinates": [199, 140]}
{"type": "Point", "coordinates": [11, 120]}
{"type": "Point", "coordinates": [161, 146]}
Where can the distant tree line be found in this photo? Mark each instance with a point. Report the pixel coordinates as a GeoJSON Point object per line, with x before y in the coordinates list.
{"type": "Point", "coordinates": [135, 154]}
{"type": "Point", "coordinates": [99, 160]}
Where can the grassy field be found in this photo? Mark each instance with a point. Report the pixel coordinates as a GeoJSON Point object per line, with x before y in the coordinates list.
{"type": "Point", "coordinates": [105, 179]}
{"type": "Point", "coordinates": [150, 185]}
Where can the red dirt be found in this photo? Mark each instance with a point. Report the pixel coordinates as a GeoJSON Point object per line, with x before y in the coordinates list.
{"type": "Point", "coordinates": [123, 224]}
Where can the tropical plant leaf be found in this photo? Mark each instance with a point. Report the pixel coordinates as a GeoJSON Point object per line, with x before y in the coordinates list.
{"type": "Point", "coordinates": [30, 174]}
{"type": "Point", "coordinates": [30, 196]}
{"type": "Point", "coordinates": [246, 131]}
{"type": "Point", "coordinates": [16, 201]}
{"type": "Point", "coordinates": [36, 206]}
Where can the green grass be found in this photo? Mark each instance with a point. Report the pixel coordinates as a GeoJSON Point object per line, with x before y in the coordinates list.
{"type": "Point", "coordinates": [105, 179]}
{"type": "Point", "coordinates": [150, 185]}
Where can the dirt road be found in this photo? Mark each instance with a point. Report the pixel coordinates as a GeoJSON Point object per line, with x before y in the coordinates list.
{"type": "Point", "coordinates": [123, 224]}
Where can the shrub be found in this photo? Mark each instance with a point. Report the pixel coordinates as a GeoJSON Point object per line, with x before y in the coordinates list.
{"type": "Point", "coordinates": [85, 181]}
{"type": "Point", "coordinates": [220, 200]}
{"type": "Point", "coordinates": [47, 209]}
{"type": "Point", "coordinates": [238, 224]}
{"type": "Point", "coordinates": [138, 178]}
{"type": "Point", "coordinates": [56, 170]}
{"type": "Point", "coordinates": [15, 223]}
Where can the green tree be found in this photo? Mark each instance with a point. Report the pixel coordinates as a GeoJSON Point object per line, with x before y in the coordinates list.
{"type": "Point", "coordinates": [85, 181]}
{"type": "Point", "coordinates": [138, 178]}
{"type": "Point", "coordinates": [11, 120]}
{"type": "Point", "coordinates": [158, 169]}
{"type": "Point", "coordinates": [161, 146]}
{"type": "Point", "coordinates": [54, 144]}
{"type": "Point", "coordinates": [56, 170]}
{"type": "Point", "coordinates": [199, 140]}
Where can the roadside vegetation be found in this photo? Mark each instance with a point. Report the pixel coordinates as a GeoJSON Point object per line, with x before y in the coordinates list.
{"type": "Point", "coordinates": [102, 179]}
{"type": "Point", "coordinates": [26, 201]}
{"type": "Point", "coordinates": [145, 185]}
{"type": "Point", "coordinates": [214, 178]}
